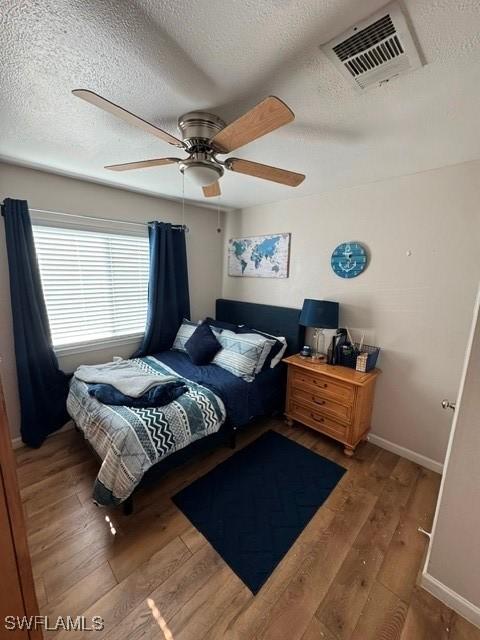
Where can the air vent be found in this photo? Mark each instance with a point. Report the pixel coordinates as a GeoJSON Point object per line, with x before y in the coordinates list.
{"type": "Point", "coordinates": [375, 50]}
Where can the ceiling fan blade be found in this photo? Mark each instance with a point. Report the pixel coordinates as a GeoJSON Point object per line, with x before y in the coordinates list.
{"type": "Point", "coordinates": [212, 190]}
{"type": "Point", "coordinates": [268, 115]}
{"type": "Point", "coordinates": [106, 105]}
{"type": "Point", "coordinates": [265, 172]}
{"type": "Point", "coordinates": [142, 164]}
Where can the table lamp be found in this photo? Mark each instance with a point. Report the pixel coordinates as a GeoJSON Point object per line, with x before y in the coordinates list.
{"type": "Point", "coordinates": [320, 314]}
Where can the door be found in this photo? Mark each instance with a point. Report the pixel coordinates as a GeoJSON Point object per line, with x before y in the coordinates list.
{"type": "Point", "coordinates": [17, 592]}
{"type": "Point", "coordinates": [451, 571]}
{"type": "Point", "coordinates": [11, 602]}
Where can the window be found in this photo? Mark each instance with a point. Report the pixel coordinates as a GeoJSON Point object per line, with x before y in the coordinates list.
{"type": "Point", "coordinates": [95, 284]}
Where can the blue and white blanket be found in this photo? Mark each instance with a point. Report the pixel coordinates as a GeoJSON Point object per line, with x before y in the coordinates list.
{"type": "Point", "coordinates": [131, 440]}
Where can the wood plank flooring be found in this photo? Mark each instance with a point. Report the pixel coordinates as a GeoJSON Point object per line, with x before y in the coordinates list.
{"type": "Point", "coordinates": [351, 574]}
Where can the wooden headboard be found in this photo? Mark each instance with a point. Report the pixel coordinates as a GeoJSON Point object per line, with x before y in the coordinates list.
{"type": "Point", "coordinates": [279, 321]}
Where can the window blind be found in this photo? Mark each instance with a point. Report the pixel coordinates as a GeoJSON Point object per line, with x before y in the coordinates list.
{"type": "Point", "coordinates": [95, 284]}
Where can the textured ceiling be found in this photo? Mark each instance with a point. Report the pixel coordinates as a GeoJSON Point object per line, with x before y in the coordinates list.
{"type": "Point", "coordinates": [160, 58]}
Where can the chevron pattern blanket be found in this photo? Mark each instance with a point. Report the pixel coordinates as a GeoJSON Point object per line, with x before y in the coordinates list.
{"type": "Point", "coordinates": [130, 440]}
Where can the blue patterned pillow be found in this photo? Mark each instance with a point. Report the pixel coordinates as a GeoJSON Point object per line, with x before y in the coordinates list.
{"type": "Point", "coordinates": [241, 353]}
{"type": "Point", "coordinates": [183, 334]}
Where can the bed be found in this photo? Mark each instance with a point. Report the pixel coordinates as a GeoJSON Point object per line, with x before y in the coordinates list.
{"type": "Point", "coordinates": [138, 446]}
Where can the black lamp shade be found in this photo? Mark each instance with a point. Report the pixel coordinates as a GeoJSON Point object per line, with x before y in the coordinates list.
{"type": "Point", "coordinates": [319, 313]}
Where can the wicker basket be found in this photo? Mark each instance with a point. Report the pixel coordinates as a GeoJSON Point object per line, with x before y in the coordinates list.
{"type": "Point", "coordinates": [350, 360]}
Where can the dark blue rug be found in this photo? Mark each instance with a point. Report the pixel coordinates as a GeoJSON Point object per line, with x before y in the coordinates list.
{"type": "Point", "coordinates": [252, 507]}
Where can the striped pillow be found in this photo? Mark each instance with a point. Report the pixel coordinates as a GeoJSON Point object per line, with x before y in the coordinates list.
{"type": "Point", "coordinates": [241, 353]}
{"type": "Point", "coordinates": [185, 333]}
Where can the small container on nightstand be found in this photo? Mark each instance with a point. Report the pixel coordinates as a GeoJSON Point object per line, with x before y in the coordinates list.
{"type": "Point", "coordinates": [334, 400]}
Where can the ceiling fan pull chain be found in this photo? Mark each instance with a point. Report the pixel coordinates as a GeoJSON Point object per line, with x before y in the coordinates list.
{"type": "Point", "coordinates": [185, 228]}
{"type": "Point", "coordinates": [219, 228]}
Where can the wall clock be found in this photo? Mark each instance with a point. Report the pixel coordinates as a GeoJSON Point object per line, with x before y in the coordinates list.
{"type": "Point", "coordinates": [349, 259]}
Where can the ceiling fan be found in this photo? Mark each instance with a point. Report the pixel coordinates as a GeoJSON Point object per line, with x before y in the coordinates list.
{"type": "Point", "coordinates": [205, 136]}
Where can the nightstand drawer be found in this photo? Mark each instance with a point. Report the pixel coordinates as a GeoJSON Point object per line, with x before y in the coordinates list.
{"type": "Point", "coordinates": [316, 420]}
{"type": "Point", "coordinates": [319, 401]}
{"type": "Point", "coordinates": [328, 387]}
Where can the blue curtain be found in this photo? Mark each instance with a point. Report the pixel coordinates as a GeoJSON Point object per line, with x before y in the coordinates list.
{"type": "Point", "coordinates": [168, 297]}
{"type": "Point", "coordinates": [42, 386]}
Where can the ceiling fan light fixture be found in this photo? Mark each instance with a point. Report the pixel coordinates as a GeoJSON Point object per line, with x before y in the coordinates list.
{"type": "Point", "coordinates": [202, 174]}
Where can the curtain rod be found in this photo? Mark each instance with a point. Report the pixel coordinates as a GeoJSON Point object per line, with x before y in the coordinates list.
{"type": "Point", "coordinates": [79, 215]}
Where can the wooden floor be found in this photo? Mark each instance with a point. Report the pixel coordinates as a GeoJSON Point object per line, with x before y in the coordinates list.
{"type": "Point", "coordinates": [350, 575]}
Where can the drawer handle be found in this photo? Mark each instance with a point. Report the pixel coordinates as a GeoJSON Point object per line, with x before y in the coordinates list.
{"type": "Point", "coordinates": [312, 415]}
{"type": "Point", "coordinates": [318, 401]}
{"type": "Point", "coordinates": [320, 384]}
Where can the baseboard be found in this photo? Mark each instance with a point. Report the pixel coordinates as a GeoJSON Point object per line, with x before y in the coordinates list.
{"type": "Point", "coordinates": [17, 442]}
{"type": "Point", "coordinates": [450, 598]}
{"type": "Point", "coordinates": [418, 458]}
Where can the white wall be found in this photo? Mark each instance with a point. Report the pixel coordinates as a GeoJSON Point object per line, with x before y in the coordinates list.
{"type": "Point", "coordinates": [57, 193]}
{"type": "Point", "coordinates": [417, 308]}
{"type": "Point", "coordinates": [451, 572]}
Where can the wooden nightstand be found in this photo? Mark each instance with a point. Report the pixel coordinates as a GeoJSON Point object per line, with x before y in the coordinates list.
{"type": "Point", "coordinates": [334, 400]}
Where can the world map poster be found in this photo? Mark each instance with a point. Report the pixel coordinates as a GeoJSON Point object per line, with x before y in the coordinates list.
{"type": "Point", "coordinates": [259, 256]}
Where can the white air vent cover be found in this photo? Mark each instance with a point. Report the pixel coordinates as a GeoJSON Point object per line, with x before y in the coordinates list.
{"type": "Point", "coordinates": [375, 50]}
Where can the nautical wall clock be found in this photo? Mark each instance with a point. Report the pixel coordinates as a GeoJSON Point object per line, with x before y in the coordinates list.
{"type": "Point", "coordinates": [349, 259]}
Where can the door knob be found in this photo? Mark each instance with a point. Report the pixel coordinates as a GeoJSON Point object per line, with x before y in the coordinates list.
{"type": "Point", "coordinates": [446, 404]}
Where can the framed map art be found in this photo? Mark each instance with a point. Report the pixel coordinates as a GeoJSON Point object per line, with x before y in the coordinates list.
{"type": "Point", "coordinates": [259, 256]}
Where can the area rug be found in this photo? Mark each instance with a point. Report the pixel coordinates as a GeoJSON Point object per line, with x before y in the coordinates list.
{"type": "Point", "coordinates": [254, 505]}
